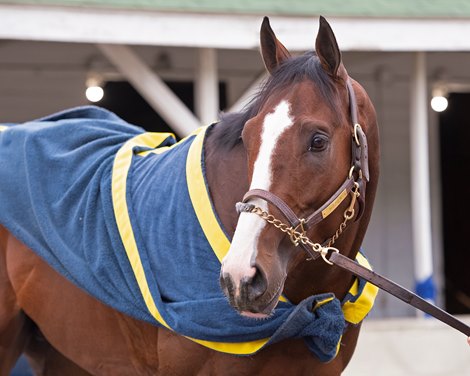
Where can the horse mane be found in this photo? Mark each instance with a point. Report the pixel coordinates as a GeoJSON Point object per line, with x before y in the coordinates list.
{"type": "Point", "coordinates": [228, 130]}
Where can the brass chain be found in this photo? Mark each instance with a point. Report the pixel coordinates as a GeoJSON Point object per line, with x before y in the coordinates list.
{"type": "Point", "coordinates": [295, 236]}
{"type": "Point", "coordinates": [300, 236]}
{"type": "Point", "coordinates": [338, 232]}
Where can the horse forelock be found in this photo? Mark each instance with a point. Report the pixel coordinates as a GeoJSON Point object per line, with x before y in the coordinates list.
{"type": "Point", "coordinates": [292, 71]}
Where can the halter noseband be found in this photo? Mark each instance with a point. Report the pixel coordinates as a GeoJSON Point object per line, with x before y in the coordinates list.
{"type": "Point", "coordinates": [354, 186]}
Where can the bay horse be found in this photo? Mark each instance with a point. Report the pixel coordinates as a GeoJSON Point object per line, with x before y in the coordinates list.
{"type": "Point", "coordinates": [292, 141]}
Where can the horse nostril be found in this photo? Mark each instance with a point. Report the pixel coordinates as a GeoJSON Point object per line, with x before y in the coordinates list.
{"type": "Point", "coordinates": [255, 286]}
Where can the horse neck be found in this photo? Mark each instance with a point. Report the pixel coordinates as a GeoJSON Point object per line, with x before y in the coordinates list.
{"type": "Point", "coordinates": [227, 177]}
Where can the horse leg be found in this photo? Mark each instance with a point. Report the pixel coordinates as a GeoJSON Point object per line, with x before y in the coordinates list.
{"type": "Point", "coordinates": [46, 360]}
{"type": "Point", "coordinates": [14, 333]}
{"type": "Point", "coordinates": [14, 324]}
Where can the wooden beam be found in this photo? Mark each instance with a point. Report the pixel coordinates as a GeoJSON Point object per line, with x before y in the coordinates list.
{"type": "Point", "coordinates": [236, 31]}
{"type": "Point", "coordinates": [206, 88]}
{"type": "Point", "coordinates": [248, 94]}
{"type": "Point", "coordinates": [152, 88]}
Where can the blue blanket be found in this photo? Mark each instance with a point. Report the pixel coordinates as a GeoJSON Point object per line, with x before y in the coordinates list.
{"type": "Point", "coordinates": [126, 216]}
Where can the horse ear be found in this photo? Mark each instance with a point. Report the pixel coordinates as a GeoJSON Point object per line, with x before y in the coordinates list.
{"type": "Point", "coordinates": [327, 48]}
{"type": "Point", "coordinates": [272, 51]}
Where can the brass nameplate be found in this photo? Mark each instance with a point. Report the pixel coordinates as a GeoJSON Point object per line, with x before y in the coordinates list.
{"type": "Point", "coordinates": [330, 208]}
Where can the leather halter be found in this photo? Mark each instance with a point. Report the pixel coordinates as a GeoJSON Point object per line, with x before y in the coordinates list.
{"type": "Point", "coordinates": [358, 177]}
{"type": "Point", "coordinates": [355, 183]}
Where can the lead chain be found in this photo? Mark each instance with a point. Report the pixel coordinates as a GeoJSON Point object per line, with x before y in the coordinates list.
{"type": "Point", "coordinates": [296, 236]}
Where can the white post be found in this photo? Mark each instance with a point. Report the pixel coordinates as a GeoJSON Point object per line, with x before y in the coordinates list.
{"type": "Point", "coordinates": [206, 88]}
{"type": "Point", "coordinates": [420, 191]}
{"type": "Point", "coordinates": [152, 88]}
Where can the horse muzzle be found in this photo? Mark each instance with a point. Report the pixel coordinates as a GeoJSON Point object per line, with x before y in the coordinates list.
{"type": "Point", "coordinates": [250, 294]}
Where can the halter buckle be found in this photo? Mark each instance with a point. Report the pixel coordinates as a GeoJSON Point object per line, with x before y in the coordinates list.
{"type": "Point", "coordinates": [357, 127]}
{"type": "Point", "coordinates": [351, 171]}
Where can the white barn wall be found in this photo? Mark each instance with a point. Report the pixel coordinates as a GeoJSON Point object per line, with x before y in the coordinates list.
{"type": "Point", "coordinates": [18, 106]}
{"type": "Point", "coordinates": [388, 243]}
{"type": "Point", "coordinates": [37, 79]}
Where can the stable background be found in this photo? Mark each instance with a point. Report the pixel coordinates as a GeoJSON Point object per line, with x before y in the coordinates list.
{"type": "Point", "coordinates": [176, 64]}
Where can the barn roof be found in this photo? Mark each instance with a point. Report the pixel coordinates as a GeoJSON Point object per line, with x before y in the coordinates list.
{"type": "Point", "coordinates": [351, 8]}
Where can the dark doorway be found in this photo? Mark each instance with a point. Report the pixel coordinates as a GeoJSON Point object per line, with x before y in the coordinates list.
{"type": "Point", "coordinates": [122, 99]}
{"type": "Point", "coordinates": [455, 169]}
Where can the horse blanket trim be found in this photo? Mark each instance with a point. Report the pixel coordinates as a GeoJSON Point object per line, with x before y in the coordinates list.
{"type": "Point", "coordinates": [356, 305]}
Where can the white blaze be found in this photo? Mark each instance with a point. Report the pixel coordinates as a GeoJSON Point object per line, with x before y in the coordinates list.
{"type": "Point", "coordinates": [245, 240]}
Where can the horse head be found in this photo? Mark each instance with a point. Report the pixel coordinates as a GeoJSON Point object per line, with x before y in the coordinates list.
{"type": "Point", "coordinates": [299, 145]}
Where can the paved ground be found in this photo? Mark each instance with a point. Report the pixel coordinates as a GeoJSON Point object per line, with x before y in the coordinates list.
{"type": "Point", "coordinates": [410, 347]}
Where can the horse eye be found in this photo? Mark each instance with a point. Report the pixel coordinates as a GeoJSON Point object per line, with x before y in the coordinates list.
{"type": "Point", "coordinates": [319, 143]}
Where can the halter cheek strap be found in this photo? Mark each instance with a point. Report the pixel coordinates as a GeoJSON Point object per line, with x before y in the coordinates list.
{"type": "Point", "coordinates": [359, 148]}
